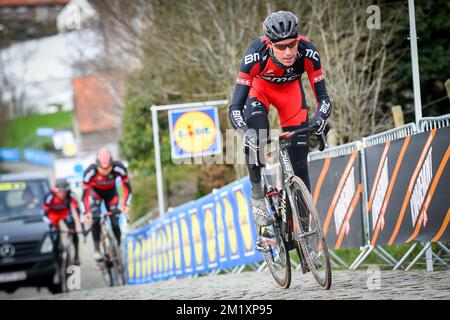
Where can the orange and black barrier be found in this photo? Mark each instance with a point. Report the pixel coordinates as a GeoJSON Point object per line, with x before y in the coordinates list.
{"type": "Point", "coordinates": [336, 189]}
{"type": "Point", "coordinates": [408, 188]}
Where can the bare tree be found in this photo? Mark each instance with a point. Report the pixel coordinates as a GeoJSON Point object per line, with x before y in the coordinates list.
{"type": "Point", "coordinates": [354, 59]}
{"type": "Point", "coordinates": [192, 51]}
{"type": "Point", "coordinates": [14, 64]}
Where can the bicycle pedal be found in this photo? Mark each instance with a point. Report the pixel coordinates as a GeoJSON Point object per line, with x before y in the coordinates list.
{"type": "Point", "coordinates": [262, 247]}
{"type": "Point", "coordinates": [265, 249]}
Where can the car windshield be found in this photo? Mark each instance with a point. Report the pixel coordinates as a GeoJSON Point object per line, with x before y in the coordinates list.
{"type": "Point", "coordinates": [21, 198]}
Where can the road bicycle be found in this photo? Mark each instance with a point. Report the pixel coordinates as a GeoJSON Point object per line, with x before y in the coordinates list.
{"type": "Point", "coordinates": [296, 221]}
{"type": "Point", "coordinates": [65, 257]}
{"type": "Point", "coordinates": [111, 264]}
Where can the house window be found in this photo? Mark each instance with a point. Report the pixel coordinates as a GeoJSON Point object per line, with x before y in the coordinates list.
{"type": "Point", "coordinates": [41, 13]}
{"type": "Point", "coordinates": [59, 7]}
{"type": "Point", "coordinates": [22, 12]}
{"type": "Point", "coordinates": [7, 12]}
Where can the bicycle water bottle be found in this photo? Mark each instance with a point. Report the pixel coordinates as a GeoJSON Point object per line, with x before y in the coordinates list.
{"type": "Point", "coordinates": [275, 198]}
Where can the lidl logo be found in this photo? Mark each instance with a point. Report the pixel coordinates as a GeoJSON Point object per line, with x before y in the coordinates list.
{"type": "Point", "coordinates": [194, 132]}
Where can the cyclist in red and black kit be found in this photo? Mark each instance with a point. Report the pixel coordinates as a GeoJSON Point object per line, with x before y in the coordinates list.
{"type": "Point", "coordinates": [57, 206]}
{"type": "Point", "coordinates": [270, 74]}
{"type": "Point", "coordinates": [99, 184]}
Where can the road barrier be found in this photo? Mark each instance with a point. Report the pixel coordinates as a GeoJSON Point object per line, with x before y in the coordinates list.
{"type": "Point", "coordinates": [9, 155]}
{"type": "Point", "coordinates": [386, 189]}
{"type": "Point", "coordinates": [337, 192]}
{"type": "Point", "coordinates": [408, 182]}
{"type": "Point", "coordinates": [36, 157]}
{"type": "Point", "coordinates": [213, 233]}
{"type": "Point", "coordinates": [406, 177]}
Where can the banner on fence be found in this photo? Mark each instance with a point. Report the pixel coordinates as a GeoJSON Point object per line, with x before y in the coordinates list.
{"type": "Point", "coordinates": [408, 182]}
{"type": "Point", "coordinates": [214, 232]}
{"type": "Point", "coordinates": [38, 157]}
{"type": "Point", "coordinates": [9, 154]}
{"type": "Point", "coordinates": [337, 193]}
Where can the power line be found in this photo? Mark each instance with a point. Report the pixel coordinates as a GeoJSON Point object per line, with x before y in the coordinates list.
{"type": "Point", "coordinates": [435, 101]}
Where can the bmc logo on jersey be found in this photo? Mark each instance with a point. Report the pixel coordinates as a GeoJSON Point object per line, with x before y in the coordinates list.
{"type": "Point", "coordinates": [281, 79]}
{"type": "Point", "coordinates": [251, 58]}
{"type": "Point", "coordinates": [312, 54]}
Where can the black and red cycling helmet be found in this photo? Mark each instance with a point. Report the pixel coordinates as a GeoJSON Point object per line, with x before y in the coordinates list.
{"type": "Point", "coordinates": [281, 25]}
{"type": "Point", "coordinates": [104, 158]}
{"type": "Point", "coordinates": [62, 184]}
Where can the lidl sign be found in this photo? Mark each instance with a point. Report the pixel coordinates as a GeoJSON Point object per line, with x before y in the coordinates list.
{"type": "Point", "coordinates": [194, 132]}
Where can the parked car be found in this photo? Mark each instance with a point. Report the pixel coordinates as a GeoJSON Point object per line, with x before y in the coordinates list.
{"type": "Point", "coordinates": [26, 249]}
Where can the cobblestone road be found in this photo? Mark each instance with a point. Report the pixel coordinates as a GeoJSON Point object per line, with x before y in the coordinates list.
{"type": "Point", "coordinates": [255, 285]}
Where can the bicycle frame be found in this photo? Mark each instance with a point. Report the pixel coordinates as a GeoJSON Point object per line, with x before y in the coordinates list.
{"type": "Point", "coordinates": [287, 173]}
{"type": "Point", "coordinates": [295, 232]}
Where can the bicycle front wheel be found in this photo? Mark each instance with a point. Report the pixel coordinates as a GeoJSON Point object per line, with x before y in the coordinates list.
{"type": "Point", "coordinates": [277, 258]}
{"type": "Point", "coordinates": [105, 264]}
{"type": "Point", "coordinates": [310, 237]}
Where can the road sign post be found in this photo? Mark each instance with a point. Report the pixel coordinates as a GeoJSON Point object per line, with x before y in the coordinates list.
{"type": "Point", "coordinates": [155, 109]}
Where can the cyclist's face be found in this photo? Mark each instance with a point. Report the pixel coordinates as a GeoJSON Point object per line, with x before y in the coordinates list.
{"type": "Point", "coordinates": [61, 194]}
{"type": "Point", "coordinates": [286, 51]}
{"type": "Point", "coordinates": [104, 171]}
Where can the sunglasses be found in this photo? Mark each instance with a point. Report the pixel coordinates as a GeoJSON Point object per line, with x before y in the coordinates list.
{"type": "Point", "coordinates": [282, 47]}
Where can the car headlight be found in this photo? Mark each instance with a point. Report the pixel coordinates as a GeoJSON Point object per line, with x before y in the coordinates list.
{"type": "Point", "coordinates": [47, 245]}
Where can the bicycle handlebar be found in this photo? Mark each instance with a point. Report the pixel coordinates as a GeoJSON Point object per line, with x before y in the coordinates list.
{"type": "Point", "coordinates": [102, 215]}
{"type": "Point", "coordinates": [285, 136]}
{"type": "Point", "coordinates": [64, 231]}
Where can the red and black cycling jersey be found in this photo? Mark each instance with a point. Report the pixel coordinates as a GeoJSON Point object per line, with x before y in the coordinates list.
{"type": "Point", "coordinates": [260, 63]}
{"type": "Point", "coordinates": [100, 184]}
{"type": "Point", "coordinates": [55, 206]}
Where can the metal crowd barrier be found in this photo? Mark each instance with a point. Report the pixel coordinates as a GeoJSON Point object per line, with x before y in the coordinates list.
{"type": "Point", "coordinates": [426, 124]}
{"type": "Point", "coordinates": [143, 221]}
{"type": "Point", "coordinates": [390, 135]}
{"type": "Point", "coordinates": [341, 150]}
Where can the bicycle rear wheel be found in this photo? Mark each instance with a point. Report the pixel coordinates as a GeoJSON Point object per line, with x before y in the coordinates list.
{"type": "Point", "coordinates": [277, 258]}
{"type": "Point", "coordinates": [311, 239]}
{"type": "Point", "coordinates": [66, 258]}
{"type": "Point", "coordinates": [117, 269]}
{"type": "Point", "coordinates": [105, 264]}
{"type": "Point", "coordinates": [64, 264]}
{"type": "Point", "coordinates": [68, 261]}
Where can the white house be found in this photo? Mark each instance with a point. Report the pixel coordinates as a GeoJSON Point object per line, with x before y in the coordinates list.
{"type": "Point", "coordinates": [38, 73]}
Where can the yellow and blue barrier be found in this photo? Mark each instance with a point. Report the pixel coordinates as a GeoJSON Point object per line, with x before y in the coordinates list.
{"type": "Point", "coordinates": [212, 233]}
